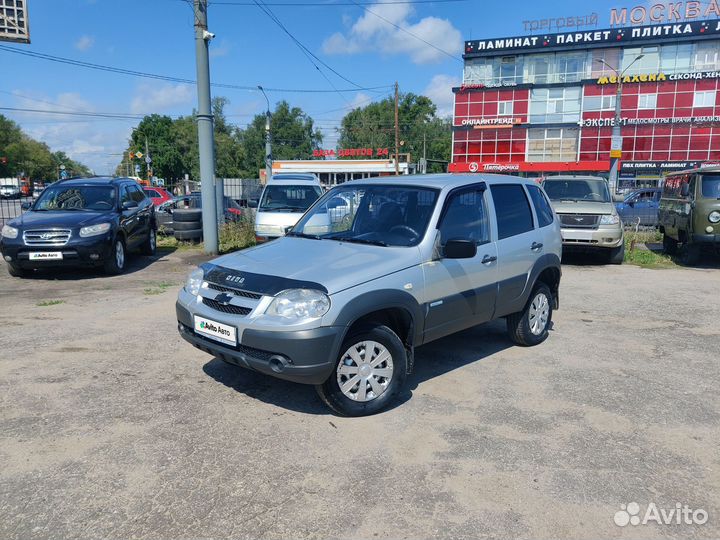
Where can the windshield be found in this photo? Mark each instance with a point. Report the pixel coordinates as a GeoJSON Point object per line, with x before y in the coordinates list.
{"type": "Point", "coordinates": [7, 186]}
{"type": "Point", "coordinates": [383, 215]}
{"type": "Point", "coordinates": [711, 186]}
{"type": "Point", "coordinates": [76, 198]}
{"type": "Point", "coordinates": [577, 190]}
{"type": "Point", "coordinates": [289, 197]}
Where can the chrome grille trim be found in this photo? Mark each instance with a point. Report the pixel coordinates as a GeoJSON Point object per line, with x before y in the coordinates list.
{"type": "Point", "coordinates": [236, 292]}
{"type": "Point", "coordinates": [579, 221]}
{"type": "Point", "coordinates": [46, 237]}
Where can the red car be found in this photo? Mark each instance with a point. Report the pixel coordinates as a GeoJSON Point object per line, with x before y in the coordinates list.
{"type": "Point", "coordinates": [158, 195]}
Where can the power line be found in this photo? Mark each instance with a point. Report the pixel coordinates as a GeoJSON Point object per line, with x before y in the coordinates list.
{"type": "Point", "coordinates": [122, 71]}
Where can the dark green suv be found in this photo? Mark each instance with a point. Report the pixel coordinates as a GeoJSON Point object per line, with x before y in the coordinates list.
{"type": "Point", "coordinates": [689, 216]}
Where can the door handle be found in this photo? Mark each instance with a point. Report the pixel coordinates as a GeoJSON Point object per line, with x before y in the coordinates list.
{"type": "Point", "coordinates": [536, 246]}
{"type": "Point", "coordinates": [488, 259]}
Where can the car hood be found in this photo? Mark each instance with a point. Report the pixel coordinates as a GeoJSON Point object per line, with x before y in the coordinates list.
{"type": "Point", "coordinates": [61, 219]}
{"type": "Point", "coordinates": [583, 207]}
{"type": "Point", "coordinates": [335, 265]}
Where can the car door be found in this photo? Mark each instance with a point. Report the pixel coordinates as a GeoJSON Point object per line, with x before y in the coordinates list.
{"type": "Point", "coordinates": [129, 215]}
{"type": "Point", "coordinates": [145, 212]}
{"type": "Point", "coordinates": [460, 293]}
{"type": "Point", "coordinates": [519, 245]}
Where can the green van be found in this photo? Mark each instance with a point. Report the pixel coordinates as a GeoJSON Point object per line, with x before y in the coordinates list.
{"type": "Point", "coordinates": [690, 213]}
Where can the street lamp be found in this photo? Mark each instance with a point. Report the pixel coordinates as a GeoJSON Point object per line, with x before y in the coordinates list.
{"type": "Point", "coordinates": [268, 145]}
{"type": "Point", "coordinates": [616, 145]}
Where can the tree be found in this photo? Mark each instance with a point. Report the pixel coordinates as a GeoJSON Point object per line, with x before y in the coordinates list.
{"type": "Point", "coordinates": [421, 131]}
{"type": "Point", "coordinates": [293, 137]}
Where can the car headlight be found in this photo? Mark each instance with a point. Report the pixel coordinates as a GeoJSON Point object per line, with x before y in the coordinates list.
{"type": "Point", "coordinates": [94, 230]}
{"type": "Point", "coordinates": [297, 304]}
{"type": "Point", "coordinates": [9, 232]}
{"type": "Point", "coordinates": [609, 219]}
{"type": "Point", "coordinates": [194, 281]}
{"type": "Point", "coordinates": [714, 217]}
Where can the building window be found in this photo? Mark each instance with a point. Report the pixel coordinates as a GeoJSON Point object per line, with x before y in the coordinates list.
{"type": "Point", "coordinates": [538, 68]}
{"type": "Point", "coordinates": [570, 67]}
{"type": "Point", "coordinates": [648, 64]}
{"type": "Point", "coordinates": [647, 101]}
{"type": "Point", "coordinates": [600, 103]}
{"type": "Point", "coordinates": [676, 58]}
{"type": "Point", "coordinates": [505, 108]}
{"type": "Point", "coordinates": [704, 99]}
{"type": "Point", "coordinates": [707, 56]}
{"type": "Point", "coordinates": [555, 105]}
{"type": "Point", "coordinates": [601, 59]}
{"type": "Point", "coordinates": [553, 144]}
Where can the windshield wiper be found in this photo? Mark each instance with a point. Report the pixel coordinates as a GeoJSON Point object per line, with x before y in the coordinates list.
{"type": "Point", "coordinates": [72, 209]}
{"type": "Point", "coordinates": [283, 208]}
{"type": "Point", "coordinates": [354, 240]}
{"type": "Point", "coordinates": [303, 235]}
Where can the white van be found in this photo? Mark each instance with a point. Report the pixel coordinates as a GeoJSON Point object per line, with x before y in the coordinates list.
{"type": "Point", "coordinates": [284, 200]}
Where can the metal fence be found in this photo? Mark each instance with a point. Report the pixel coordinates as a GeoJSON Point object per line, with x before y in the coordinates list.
{"type": "Point", "coordinates": [239, 189]}
{"type": "Point", "coordinates": [10, 208]}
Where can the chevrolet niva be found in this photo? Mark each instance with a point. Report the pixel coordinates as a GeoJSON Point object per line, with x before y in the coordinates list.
{"type": "Point", "coordinates": [344, 298]}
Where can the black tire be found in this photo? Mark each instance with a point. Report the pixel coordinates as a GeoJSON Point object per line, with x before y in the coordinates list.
{"type": "Point", "coordinates": [113, 265]}
{"type": "Point", "coordinates": [16, 271]}
{"type": "Point", "coordinates": [195, 234]}
{"type": "Point", "coordinates": [690, 254]}
{"type": "Point", "coordinates": [670, 245]}
{"type": "Point", "coordinates": [343, 405]}
{"type": "Point", "coordinates": [519, 326]}
{"type": "Point", "coordinates": [187, 225]}
{"type": "Point", "coordinates": [150, 244]}
{"type": "Point", "coordinates": [187, 214]}
{"type": "Point", "coordinates": [617, 255]}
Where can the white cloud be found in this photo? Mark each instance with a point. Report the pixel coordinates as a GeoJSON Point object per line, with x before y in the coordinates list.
{"type": "Point", "coordinates": [155, 98]}
{"type": "Point", "coordinates": [85, 43]}
{"type": "Point", "coordinates": [371, 33]}
{"type": "Point", "coordinates": [222, 49]}
{"type": "Point", "coordinates": [440, 91]}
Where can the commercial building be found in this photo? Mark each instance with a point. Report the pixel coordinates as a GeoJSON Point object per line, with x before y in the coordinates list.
{"type": "Point", "coordinates": [545, 104]}
{"type": "Point", "coordinates": [332, 172]}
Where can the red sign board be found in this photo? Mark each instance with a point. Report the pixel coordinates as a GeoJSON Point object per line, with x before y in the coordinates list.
{"type": "Point", "coordinates": [524, 166]}
{"type": "Point", "coordinates": [352, 152]}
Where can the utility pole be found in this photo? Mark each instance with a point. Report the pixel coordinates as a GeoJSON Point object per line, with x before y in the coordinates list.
{"type": "Point", "coordinates": [205, 129]}
{"type": "Point", "coordinates": [148, 160]}
{"type": "Point", "coordinates": [268, 139]}
{"type": "Point", "coordinates": [397, 134]}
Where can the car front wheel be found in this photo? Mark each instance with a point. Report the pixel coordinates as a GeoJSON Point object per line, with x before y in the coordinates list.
{"type": "Point", "coordinates": [531, 326]}
{"type": "Point", "coordinates": [369, 373]}
{"type": "Point", "coordinates": [115, 263]}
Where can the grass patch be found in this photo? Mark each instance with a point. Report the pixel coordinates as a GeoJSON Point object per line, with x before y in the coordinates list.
{"type": "Point", "coordinates": [637, 251]}
{"type": "Point", "coordinates": [47, 303]}
{"type": "Point", "coordinates": [159, 288]}
{"type": "Point", "coordinates": [170, 242]}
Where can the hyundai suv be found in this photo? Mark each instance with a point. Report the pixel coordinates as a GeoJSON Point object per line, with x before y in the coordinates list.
{"type": "Point", "coordinates": [342, 301]}
{"type": "Point", "coordinates": [84, 221]}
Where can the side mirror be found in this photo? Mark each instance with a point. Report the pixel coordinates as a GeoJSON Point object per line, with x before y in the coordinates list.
{"type": "Point", "coordinates": [128, 205]}
{"type": "Point", "coordinates": [252, 203]}
{"type": "Point", "coordinates": [25, 206]}
{"type": "Point", "coordinates": [460, 249]}
{"type": "Point", "coordinates": [631, 203]}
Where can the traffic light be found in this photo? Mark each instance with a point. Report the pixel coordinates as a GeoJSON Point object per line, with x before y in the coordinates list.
{"type": "Point", "coordinates": [131, 155]}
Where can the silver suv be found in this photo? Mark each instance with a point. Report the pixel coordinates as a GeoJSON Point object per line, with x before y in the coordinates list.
{"type": "Point", "coordinates": [342, 301]}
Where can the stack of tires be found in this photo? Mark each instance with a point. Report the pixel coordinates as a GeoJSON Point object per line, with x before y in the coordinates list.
{"type": "Point", "coordinates": [187, 224]}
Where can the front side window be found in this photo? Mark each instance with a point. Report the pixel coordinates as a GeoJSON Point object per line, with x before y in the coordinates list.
{"type": "Point", "coordinates": [543, 209]}
{"type": "Point", "coordinates": [292, 198]}
{"type": "Point", "coordinates": [136, 194]}
{"type": "Point", "coordinates": [512, 208]}
{"type": "Point", "coordinates": [577, 189]}
{"type": "Point", "coordinates": [465, 218]}
{"type": "Point", "coordinates": [76, 198]}
{"type": "Point", "coordinates": [383, 215]}
{"type": "Point", "coordinates": [711, 186]}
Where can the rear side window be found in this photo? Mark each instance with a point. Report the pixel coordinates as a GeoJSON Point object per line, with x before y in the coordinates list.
{"type": "Point", "coordinates": [513, 210]}
{"type": "Point", "coordinates": [152, 194]}
{"type": "Point", "coordinates": [542, 207]}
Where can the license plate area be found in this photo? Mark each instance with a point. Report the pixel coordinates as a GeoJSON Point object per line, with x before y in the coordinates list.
{"type": "Point", "coordinates": [578, 235]}
{"type": "Point", "coordinates": [223, 333]}
{"type": "Point", "coordinates": [45, 256]}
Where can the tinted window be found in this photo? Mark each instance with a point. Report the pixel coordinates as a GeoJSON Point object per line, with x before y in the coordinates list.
{"type": "Point", "coordinates": [125, 194]}
{"type": "Point", "coordinates": [289, 197]}
{"type": "Point", "coordinates": [465, 218]}
{"type": "Point", "coordinates": [542, 207]}
{"type": "Point", "coordinates": [152, 194]}
{"type": "Point", "coordinates": [136, 194]}
{"type": "Point", "coordinates": [711, 186]}
{"type": "Point", "coordinates": [577, 189]}
{"type": "Point", "coordinates": [69, 198]}
{"type": "Point", "coordinates": [513, 210]}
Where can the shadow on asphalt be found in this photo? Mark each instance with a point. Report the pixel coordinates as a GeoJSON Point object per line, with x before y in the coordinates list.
{"type": "Point", "coordinates": [433, 360]}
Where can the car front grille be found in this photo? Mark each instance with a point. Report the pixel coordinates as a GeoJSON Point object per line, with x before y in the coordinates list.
{"type": "Point", "coordinates": [46, 237]}
{"type": "Point", "coordinates": [226, 308]}
{"type": "Point", "coordinates": [579, 221]}
{"type": "Point", "coordinates": [236, 292]}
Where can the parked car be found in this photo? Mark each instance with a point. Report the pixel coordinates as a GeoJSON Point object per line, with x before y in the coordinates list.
{"type": "Point", "coordinates": [640, 206]}
{"type": "Point", "coordinates": [9, 191]}
{"type": "Point", "coordinates": [420, 258]}
{"type": "Point", "coordinates": [233, 211]}
{"type": "Point", "coordinates": [589, 219]}
{"type": "Point", "coordinates": [284, 200]}
{"type": "Point", "coordinates": [80, 222]}
{"type": "Point", "coordinates": [37, 190]}
{"type": "Point", "coordinates": [158, 195]}
{"type": "Point", "coordinates": [689, 215]}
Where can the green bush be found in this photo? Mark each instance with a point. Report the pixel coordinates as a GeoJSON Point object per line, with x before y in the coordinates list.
{"type": "Point", "coordinates": [237, 235]}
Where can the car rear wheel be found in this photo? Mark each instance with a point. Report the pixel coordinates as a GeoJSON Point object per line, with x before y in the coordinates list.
{"type": "Point", "coordinates": [369, 373]}
{"type": "Point", "coordinates": [150, 244]}
{"type": "Point", "coordinates": [670, 245]}
{"type": "Point", "coordinates": [531, 326]}
{"type": "Point", "coordinates": [115, 263]}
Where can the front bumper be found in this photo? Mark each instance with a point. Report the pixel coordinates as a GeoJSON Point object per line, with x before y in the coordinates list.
{"type": "Point", "coordinates": [709, 239]}
{"type": "Point", "coordinates": [601, 238]}
{"type": "Point", "coordinates": [77, 252]}
{"type": "Point", "coordinates": [302, 356]}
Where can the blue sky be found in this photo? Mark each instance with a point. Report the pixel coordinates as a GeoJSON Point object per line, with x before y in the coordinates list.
{"type": "Point", "coordinates": [156, 36]}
